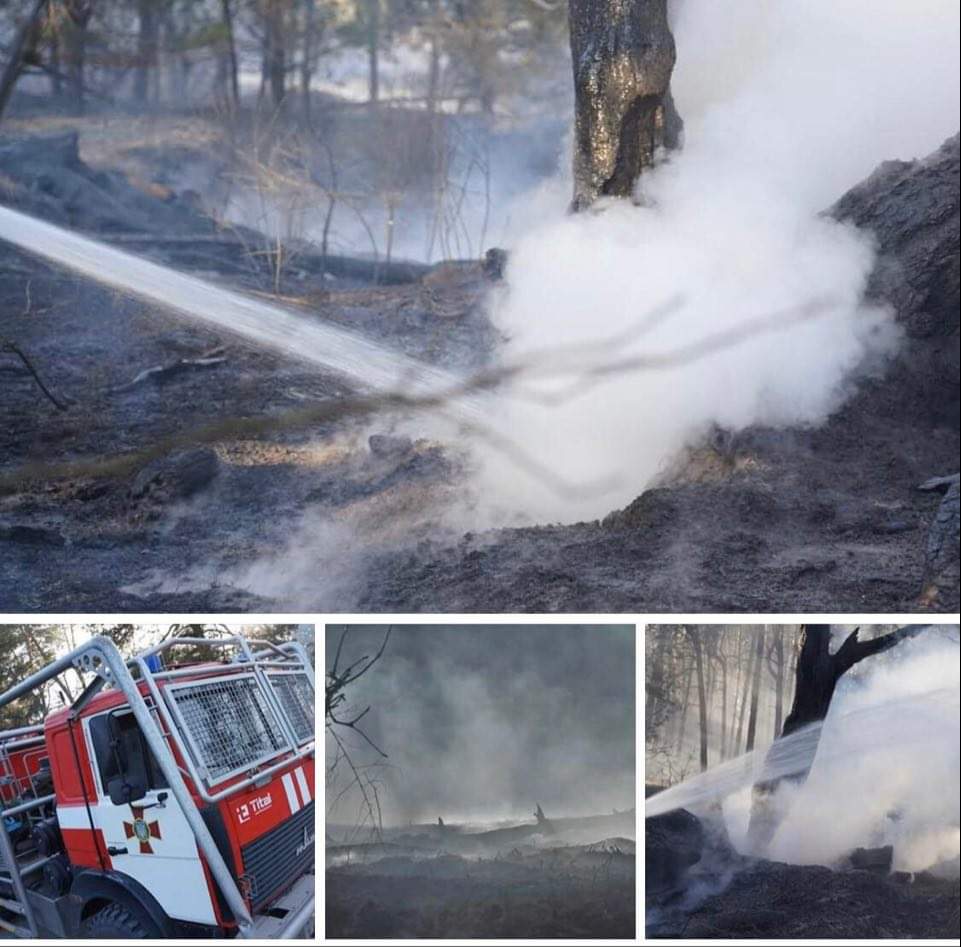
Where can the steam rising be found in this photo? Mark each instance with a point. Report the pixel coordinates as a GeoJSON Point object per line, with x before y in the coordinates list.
{"type": "Point", "coordinates": [786, 106]}
{"type": "Point", "coordinates": [894, 776]}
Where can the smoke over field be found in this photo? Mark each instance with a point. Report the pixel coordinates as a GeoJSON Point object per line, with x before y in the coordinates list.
{"type": "Point", "coordinates": [500, 753]}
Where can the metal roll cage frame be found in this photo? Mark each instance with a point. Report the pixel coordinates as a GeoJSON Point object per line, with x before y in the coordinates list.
{"type": "Point", "coordinates": [99, 656]}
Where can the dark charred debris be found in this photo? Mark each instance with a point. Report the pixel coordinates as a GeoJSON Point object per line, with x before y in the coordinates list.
{"type": "Point", "coordinates": [787, 520]}
{"type": "Point", "coordinates": [699, 887]}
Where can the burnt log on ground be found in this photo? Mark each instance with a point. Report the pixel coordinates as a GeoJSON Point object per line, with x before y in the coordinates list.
{"type": "Point", "coordinates": [623, 56]}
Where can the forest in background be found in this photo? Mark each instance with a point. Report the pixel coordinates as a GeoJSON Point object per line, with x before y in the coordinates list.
{"type": "Point", "coordinates": [375, 126]}
{"type": "Point", "coordinates": [714, 692]}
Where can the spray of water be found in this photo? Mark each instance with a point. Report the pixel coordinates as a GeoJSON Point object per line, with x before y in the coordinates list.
{"type": "Point", "coordinates": [858, 734]}
{"type": "Point", "coordinates": [363, 363]}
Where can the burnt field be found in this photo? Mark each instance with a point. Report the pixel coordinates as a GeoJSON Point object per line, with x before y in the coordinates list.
{"type": "Point", "coordinates": [169, 466]}
{"type": "Point", "coordinates": [509, 885]}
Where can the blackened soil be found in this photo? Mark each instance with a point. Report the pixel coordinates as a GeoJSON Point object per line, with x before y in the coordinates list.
{"type": "Point", "coordinates": [770, 900]}
{"type": "Point", "coordinates": [560, 893]}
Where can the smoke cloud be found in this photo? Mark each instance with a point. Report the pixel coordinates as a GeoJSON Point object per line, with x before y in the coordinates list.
{"type": "Point", "coordinates": [786, 106]}
{"type": "Point", "coordinates": [485, 722]}
{"type": "Point", "coordinates": [887, 770]}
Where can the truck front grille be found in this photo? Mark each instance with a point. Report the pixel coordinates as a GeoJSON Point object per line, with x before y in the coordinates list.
{"type": "Point", "coordinates": [278, 857]}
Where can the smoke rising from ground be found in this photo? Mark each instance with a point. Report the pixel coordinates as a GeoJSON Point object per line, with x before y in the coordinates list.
{"type": "Point", "coordinates": [786, 106]}
{"type": "Point", "coordinates": [485, 722]}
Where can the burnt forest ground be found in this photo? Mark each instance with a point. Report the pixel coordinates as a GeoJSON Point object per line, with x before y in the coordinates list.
{"type": "Point", "coordinates": [826, 519]}
{"type": "Point", "coordinates": [510, 882]}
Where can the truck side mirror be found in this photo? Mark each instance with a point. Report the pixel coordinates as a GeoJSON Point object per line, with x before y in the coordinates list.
{"type": "Point", "coordinates": [123, 793]}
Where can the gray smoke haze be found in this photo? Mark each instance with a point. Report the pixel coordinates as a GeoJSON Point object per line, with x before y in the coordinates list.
{"type": "Point", "coordinates": [484, 722]}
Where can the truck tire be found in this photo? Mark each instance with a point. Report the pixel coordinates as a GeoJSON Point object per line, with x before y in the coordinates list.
{"type": "Point", "coordinates": [115, 922]}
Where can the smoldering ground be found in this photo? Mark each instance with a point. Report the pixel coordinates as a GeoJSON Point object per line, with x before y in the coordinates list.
{"type": "Point", "coordinates": [785, 108]}
{"type": "Point", "coordinates": [875, 819]}
{"type": "Point", "coordinates": [501, 760]}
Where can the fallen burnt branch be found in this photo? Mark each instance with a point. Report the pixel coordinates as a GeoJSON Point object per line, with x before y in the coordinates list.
{"type": "Point", "coordinates": [383, 272]}
{"type": "Point", "coordinates": [160, 373]}
{"type": "Point", "coordinates": [7, 346]}
{"type": "Point", "coordinates": [584, 364]}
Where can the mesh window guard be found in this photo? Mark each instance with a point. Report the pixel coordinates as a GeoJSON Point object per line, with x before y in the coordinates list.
{"type": "Point", "coordinates": [296, 697]}
{"type": "Point", "coordinates": [229, 723]}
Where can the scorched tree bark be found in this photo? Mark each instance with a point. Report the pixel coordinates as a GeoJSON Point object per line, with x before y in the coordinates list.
{"type": "Point", "coordinates": [623, 55]}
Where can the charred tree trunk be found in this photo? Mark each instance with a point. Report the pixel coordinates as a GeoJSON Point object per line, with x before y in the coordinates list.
{"type": "Point", "coordinates": [817, 676]}
{"type": "Point", "coordinates": [623, 55]}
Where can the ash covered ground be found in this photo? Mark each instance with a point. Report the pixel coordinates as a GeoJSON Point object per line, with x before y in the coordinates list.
{"type": "Point", "coordinates": [699, 887]}
{"type": "Point", "coordinates": [825, 519]}
{"type": "Point", "coordinates": [520, 880]}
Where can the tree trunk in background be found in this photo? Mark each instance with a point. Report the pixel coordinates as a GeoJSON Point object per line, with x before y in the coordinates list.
{"type": "Point", "coordinates": [275, 59]}
{"type": "Point", "coordinates": [755, 692]}
{"type": "Point", "coordinates": [78, 16]}
{"type": "Point", "coordinates": [657, 678]}
{"type": "Point", "coordinates": [146, 48]}
{"type": "Point", "coordinates": [623, 55]}
{"type": "Point", "coordinates": [18, 49]}
{"type": "Point", "coordinates": [56, 75]}
{"type": "Point", "coordinates": [373, 48]}
{"type": "Point", "coordinates": [685, 706]}
{"type": "Point", "coordinates": [745, 696]}
{"type": "Point", "coordinates": [723, 662]}
{"type": "Point", "coordinates": [307, 62]}
{"type": "Point", "coordinates": [231, 44]}
{"type": "Point", "coordinates": [433, 69]}
{"type": "Point", "coordinates": [817, 676]}
{"type": "Point", "coordinates": [695, 638]}
{"type": "Point", "coordinates": [776, 667]}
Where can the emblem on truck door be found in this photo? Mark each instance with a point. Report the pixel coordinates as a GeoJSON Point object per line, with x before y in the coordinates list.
{"type": "Point", "coordinates": [141, 830]}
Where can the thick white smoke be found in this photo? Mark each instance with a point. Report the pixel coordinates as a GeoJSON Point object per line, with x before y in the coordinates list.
{"type": "Point", "coordinates": [887, 770]}
{"type": "Point", "coordinates": [786, 106]}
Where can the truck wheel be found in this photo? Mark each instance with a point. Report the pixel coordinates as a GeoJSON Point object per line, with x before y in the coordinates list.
{"type": "Point", "coordinates": [115, 922]}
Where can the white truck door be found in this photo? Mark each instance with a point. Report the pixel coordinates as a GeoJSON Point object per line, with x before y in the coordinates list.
{"type": "Point", "coordinates": [149, 838]}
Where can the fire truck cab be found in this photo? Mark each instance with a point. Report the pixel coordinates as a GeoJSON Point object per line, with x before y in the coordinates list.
{"type": "Point", "coordinates": [168, 800]}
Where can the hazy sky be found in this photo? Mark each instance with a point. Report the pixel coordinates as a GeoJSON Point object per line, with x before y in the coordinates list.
{"type": "Point", "coordinates": [486, 722]}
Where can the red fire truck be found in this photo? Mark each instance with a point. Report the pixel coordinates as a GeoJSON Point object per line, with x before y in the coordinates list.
{"type": "Point", "coordinates": [168, 800]}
